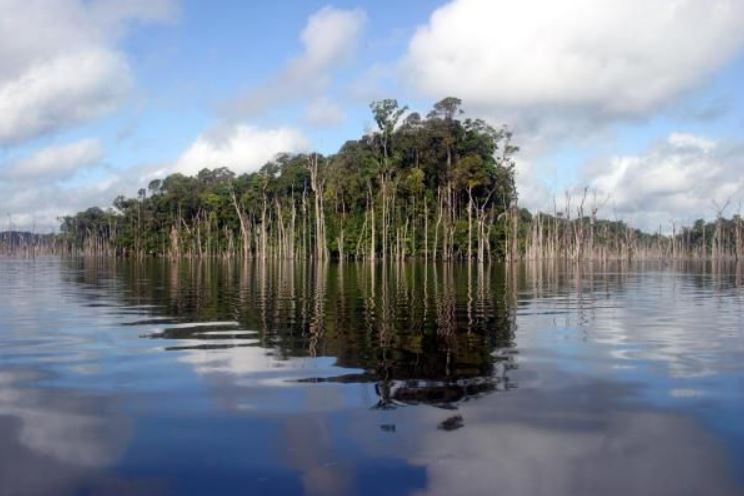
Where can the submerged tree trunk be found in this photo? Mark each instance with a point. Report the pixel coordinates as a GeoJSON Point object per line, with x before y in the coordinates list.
{"type": "Point", "coordinates": [317, 186]}
{"type": "Point", "coordinates": [244, 231]}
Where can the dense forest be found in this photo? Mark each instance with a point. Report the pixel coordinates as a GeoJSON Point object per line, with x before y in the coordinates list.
{"type": "Point", "coordinates": [438, 187]}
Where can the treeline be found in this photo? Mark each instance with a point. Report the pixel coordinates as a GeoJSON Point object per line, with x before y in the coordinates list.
{"type": "Point", "coordinates": [24, 243]}
{"type": "Point", "coordinates": [438, 187]}
{"type": "Point", "coordinates": [576, 232]}
{"type": "Point", "coordinates": [720, 239]}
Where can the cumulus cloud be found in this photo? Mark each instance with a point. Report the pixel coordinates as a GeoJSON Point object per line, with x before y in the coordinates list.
{"type": "Point", "coordinates": [54, 162]}
{"type": "Point", "coordinates": [38, 206]}
{"type": "Point", "coordinates": [35, 189]}
{"type": "Point", "coordinates": [242, 148]}
{"type": "Point", "coordinates": [329, 39]}
{"type": "Point", "coordinates": [69, 89]}
{"type": "Point", "coordinates": [622, 59]}
{"type": "Point", "coordinates": [39, 187]}
{"type": "Point", "coordinates": [59, 63]}
{"type": "Point", "coordinates": [679, 179]}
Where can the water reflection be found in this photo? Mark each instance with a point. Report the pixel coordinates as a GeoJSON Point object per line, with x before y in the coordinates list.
{"type": "Point", "coordinates": [417, 333]}
{"type": "Point", "coordinates": [208, 377]}
{"type": "Point", "coordinates": [574, 449]}
{"type": "Point", "coordinates": [59, 441]}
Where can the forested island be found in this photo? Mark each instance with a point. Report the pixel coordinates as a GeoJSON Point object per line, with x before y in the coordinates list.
{"type": "Point", "coordinates": [436, 187]}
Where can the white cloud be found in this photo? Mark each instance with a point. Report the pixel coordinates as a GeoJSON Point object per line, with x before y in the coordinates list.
{"type": "Point", "coordinates": [242, 148]}
{"type": "Point", "coordinates": [59, 64]}
{"type": "Point", "coordinates": [324, 112]}
{"type": "Point", "coordinates": [593, 58]}
{"type": "Point", "coordinates": [35, 190]}
{"type": "Point", "coordinates": [692, 142]}
{"type": "Point", "coordinates": [39, 208]}
{"type": "Point", "coordinates": [70, 89]}
{"type": "Point", "coordinates": [564, 72]}
{"type": "Point", "coordinates": [330, 39]}
{"type": "Point", "coordinates": [55, 162]}
{"type": "Point", "coordinates": [678, 180]}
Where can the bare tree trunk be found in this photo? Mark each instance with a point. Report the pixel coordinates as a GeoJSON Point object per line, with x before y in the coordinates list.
{"type": "Point", "coordinates": [371, 224]}
{"type": "Point", "coordinates": [426, 231]}
{"type": "Point", "coordinates": [436, 226]}
{"type": "Point", "coordinates": [515, 233]}
{"type": "Point", "coordinates": [470, 223]}
{"type": "Point", "coordinates": [244, 232]}
{"type": "Point", "coordinates": [317, 185]}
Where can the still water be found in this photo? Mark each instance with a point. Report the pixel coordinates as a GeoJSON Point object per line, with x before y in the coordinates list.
{"type": "Point", "coordinates": [155, 377]}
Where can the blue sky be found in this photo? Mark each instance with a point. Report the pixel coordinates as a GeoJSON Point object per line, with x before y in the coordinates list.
{"type": "Point", "coordinates": [639, 101]}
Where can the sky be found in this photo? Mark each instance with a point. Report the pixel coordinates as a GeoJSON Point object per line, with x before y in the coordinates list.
{"type": "Point", "coordinates": [637, 102]}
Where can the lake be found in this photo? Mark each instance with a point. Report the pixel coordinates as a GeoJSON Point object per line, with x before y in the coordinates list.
{"type": "Point", "coordinates": [209, 377]}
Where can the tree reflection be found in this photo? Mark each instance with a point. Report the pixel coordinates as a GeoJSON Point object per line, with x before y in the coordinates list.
{"type": "Point", "coordinates": [436, 334]}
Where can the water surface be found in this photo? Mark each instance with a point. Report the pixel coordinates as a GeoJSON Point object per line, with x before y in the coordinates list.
{"type": "Point", "coordinates": [157, 377]}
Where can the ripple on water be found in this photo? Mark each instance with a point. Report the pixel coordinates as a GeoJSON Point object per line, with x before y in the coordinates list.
{"type": "Point", "coordinates": [435, 376]}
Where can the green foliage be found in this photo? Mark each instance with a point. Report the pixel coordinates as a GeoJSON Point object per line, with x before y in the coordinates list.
{"type": "Point", "coordinates": [407, 175]}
